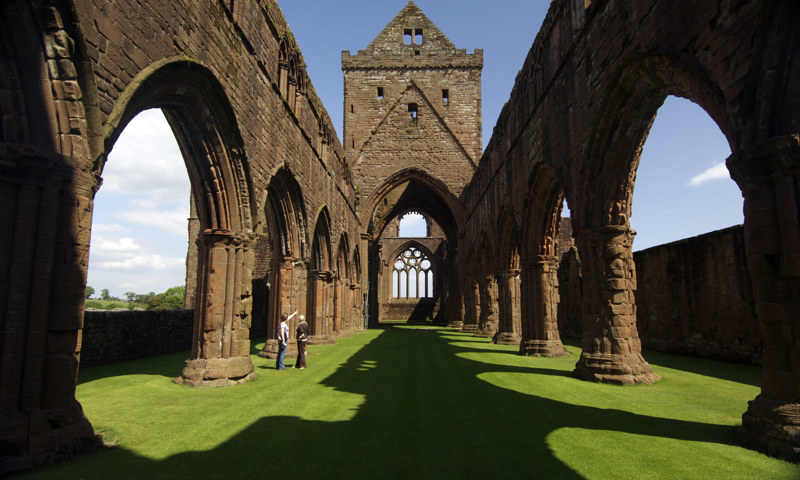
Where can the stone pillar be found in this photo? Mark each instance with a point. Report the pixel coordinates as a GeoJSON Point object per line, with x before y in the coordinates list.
{"type": "Point", "coordinates": [44, 249]}
{"type": "Point", "coordinates": [319, 310]}
{"type": "Point", "coordinates": [473, 308]}
{"type": "Point", "coordinates": [221, 335]}
{"type": "Point", "coordinates": [508, 308]}
{"type": "Point", "coordinates": [281, 295]}
{"type": "Point", "coordinates": [611, 346]}
{"type": "Point", "coordinates": [487, 321]}
{"type": "Point", "coordinates": [191, 255]}
{"type": "Point", "coordinates": [540, 337]}
{"type": "Point", "coordinates": [769, 176]}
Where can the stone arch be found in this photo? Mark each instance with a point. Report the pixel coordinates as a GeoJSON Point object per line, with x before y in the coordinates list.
{"type": "Point", "coordinates": [285, 220]}
{"type": "Point", "coordinates": [640, 88]}
{"type": "Point", "coordinates": [415, 190]}
{"type": "Point", "coordinates": [604, 236]}
{"type": "Point", "coordinates": [507, 273]}
{"type": "Point", "coordinates": [356, 279]}
{"type": "Point", "coordinates": [202, 119]}
{"type": "Point", "coordinates": [320, 279]}
{"type": "Point", "coordinates": [443, 206]}
{"type": "Point", "coordinates": [342, 292]}
{"type": "Point", "coordinates": [539, 309]}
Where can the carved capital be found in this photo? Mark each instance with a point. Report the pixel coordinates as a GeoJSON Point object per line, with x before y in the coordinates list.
{"type": "Point", "coordinates": [776, 157]}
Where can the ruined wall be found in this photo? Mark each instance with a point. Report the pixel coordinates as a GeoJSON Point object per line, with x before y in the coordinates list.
{"type": "Point", "coordinates": [113, 337]}
{"type": "Point", "coordinates": [694, 297]}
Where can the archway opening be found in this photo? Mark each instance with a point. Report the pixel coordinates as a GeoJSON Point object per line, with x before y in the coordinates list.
{"type": "Point", "coordinates": [693, 292]}
{"type": "Point", "coordinates": [412, 261]}
{"type": "Point", "coordinates": [683, 188]}
{"type": "Point", "coordinates": [141, 256]}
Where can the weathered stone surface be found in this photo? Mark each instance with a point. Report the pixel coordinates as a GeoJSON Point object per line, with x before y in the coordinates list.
{"type": "Point", "coordinates": [267, 166]}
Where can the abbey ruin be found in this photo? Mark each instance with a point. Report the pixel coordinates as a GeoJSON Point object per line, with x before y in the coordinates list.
{"type": "Point", "coordinates": [291, 213]}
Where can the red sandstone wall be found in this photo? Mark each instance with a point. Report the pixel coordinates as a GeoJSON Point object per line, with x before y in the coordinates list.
{"type": "Point", "coordinates": [694, 297]}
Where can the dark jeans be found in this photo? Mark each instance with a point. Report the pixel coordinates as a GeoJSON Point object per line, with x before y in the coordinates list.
{"type": "Point", "coordinates": [281, 355]}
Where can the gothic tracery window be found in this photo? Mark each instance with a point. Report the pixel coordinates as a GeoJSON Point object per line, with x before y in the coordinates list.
{"type": "Point", "coordinates": [412, 275]}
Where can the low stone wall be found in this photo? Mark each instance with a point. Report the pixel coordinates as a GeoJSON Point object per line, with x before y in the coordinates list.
{"type": "Point", "coordinates": [694, 297]}
{"type": "Point", "coordinates": [119, 336]}
{"type": "Point", "coordinates": [412, 309]}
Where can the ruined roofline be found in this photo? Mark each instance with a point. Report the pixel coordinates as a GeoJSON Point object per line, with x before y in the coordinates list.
{"type": "Point", "coordinates": [468, 60]}
{"type": "Point", "coordinates": [411, 40]}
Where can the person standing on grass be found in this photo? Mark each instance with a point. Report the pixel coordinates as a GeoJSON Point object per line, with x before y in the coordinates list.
{"type": "Point", "coordinates": [283, 340]}
{"type": "Point", "coordinates": [302, 343]}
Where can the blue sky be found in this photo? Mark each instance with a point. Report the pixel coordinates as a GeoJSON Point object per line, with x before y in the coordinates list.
{"type": "Point", "coordinates": [139, 238]}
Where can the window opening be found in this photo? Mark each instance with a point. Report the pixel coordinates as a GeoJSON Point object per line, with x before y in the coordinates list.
{"type": "Point", "coordinates": [445, 97]}
{"type": "Point", "coordinates": [412, 111]}
{"type": "Point", "coordinates": [380, 92]}
{"type": "Point", "coordinates": [418, 36]}
{"type": "Point", "coordinates": [412, 275]}
{"type": "Point", "coordinates": [413, 224]}
{"type": "Point", "coordinates": [408, 39]}
{"type": "Point", "coordinates": [416, 51]}
{"type": "Point", "coordinates": [352, 109]}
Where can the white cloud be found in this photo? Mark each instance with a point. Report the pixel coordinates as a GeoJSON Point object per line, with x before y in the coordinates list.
{"type": "Point", "coordinates": [153, 261]}
{"type": "Point", "coordinates": [173, 220]}
{"type": "Point", "coordinates": [146, 161]}
{"type": "Point", "coordinates": [122, 245]}
{"type": "Point", "coordinates": [108, 228]}
{"type": "Point", "coordinates": [717, 171]}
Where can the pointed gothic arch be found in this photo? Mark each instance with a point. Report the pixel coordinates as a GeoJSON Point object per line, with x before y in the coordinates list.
{"type": "Point", "coordinates": [206, 129]}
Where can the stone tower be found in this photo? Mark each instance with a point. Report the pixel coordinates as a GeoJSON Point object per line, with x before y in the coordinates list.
{"type": "Point", "coordinates": [412, 100]}
{"type": "Point", "coordinates": [412, 132]}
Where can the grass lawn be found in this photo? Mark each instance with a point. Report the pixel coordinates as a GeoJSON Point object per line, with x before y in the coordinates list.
{"type": "Point", "coordinates": [420, 402]}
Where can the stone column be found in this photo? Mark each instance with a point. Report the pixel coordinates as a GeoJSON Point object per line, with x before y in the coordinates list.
{"type": "Point", "coordinates": [769, 176]}
{"type": "Point", "coordinates": [507, 299]}
{"type": "Point", "coordinates": [281, 295]}
{"type": "Point", "coordinates": [318, 310]}
{"type": "Point", "coordinates": [487, 320]}
{"type": "Point", "coordinates": [44, 248]}
{"type": "Point", "coordinates": [221, 335]}
{"type": "Point", "coordinates": [540, 337]}
{"type": "Point", "coordinates": [611, 346]}
{"type": "Point", "coordinates": [473, 308]}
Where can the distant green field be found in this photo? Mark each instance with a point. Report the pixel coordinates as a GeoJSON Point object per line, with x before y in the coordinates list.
{"type": "Point", "coordinates": [420, 402]}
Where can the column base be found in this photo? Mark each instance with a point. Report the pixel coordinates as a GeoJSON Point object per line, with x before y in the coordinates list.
{"type": "Point", "coordinates": [469, 328]}
{"type": "Point", "coordinates": [506, 338]}
{"type": "Point", "coordinates": [484, 333]}
{"type": "Point", "coordinates": [543, 348]}
{"type": "Point", "coordinates": [321, 340]}
{"type": "Point", "coordinates": [458, 324]}
{"type": "Point", "coordinates": [772, 427]}
{"type": "Point", "coordinates": [45, 437]}
{"type": "Point", "coordinates": [216, 372]}
{"type": "Point", "coordinates": [270, 349]}
{"type": "Point", "coordinates": [614, 368]}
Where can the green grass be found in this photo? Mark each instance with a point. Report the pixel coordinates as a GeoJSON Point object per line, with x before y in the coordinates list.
{"type": "Point", "coordinates": [421, 402]}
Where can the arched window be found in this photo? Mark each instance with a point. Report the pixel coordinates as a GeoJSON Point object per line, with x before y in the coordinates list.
{"type": "Point", "coordinates": [412, 275]}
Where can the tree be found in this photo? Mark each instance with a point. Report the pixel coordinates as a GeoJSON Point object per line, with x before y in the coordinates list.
{"type": "Point", "coordinates": [131, 296]}
{"type": "Point", "coordinates": [104, 295]}
{"type": "Point", "coordinates": [89, 291]}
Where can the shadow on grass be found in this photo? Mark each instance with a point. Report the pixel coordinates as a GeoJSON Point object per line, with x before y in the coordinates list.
{"type": "Point", "coordinates": [744, 374]}
{"type": "Point", "coordinates": [426, 414]}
